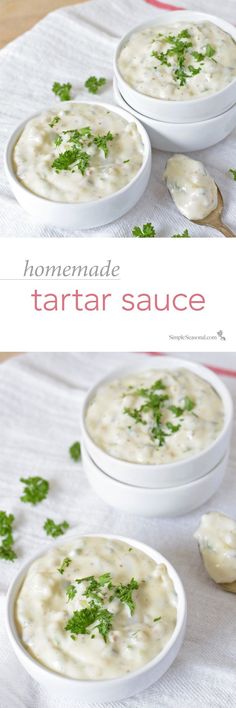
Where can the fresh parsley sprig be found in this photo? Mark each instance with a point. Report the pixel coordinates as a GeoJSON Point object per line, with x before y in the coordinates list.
{"type": "Point", "coordinates": [6, 548]}
{"type": "Point", "coordinates": [185, 234]}
{"type": "Point", "coordinates": [147, 231]}
{"type": "Point", "coordinates": [233, 173]}
{"type": "Point", "coordinates": [93, 84]}
{"type": "Point", "coordinates": [65, 564]}
{"type": "Point", "coordinates": [55, 530]}
{"type": "Point", "coordinates": [35, 490]}
{"type": "Point", "coordinates": [63, 91]}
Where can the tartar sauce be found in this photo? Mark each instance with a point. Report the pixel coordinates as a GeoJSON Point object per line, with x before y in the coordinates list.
{"type": "Point", "coordinates": [209, 61]}
{"type": "Point", "coordinates": [193, 190]}
{"type": "Point", "coordinates": [101, 170]}
{"type": "Point", "coordinates": [43, 609]}
{"type": "Point", "coordinates": [216, 537]}
{"type": "Point", "coordinates": [191, 416]}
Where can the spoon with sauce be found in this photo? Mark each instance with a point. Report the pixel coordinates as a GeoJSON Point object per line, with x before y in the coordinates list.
{"type": "Point", "coordinates": [216, 537]}
{"type": "Point", "coordinates": [195, 193]}
{"type": "Point", "coordinates": [214, 221]}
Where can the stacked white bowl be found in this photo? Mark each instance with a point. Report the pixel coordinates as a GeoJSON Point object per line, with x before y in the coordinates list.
{"type": "Point", "coordinates": [179, 125]}
{"type": "Point", "coordinates": [169, 489]}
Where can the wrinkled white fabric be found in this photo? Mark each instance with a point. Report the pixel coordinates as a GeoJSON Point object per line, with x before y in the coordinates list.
{"type": "Point", "coordinates": [69, 45]}
{"type": "Point", "coordinates": [40, 402]}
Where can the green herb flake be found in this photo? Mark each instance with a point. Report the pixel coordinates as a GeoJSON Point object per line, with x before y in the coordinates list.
{"type": "Point", "coordinates": [157, 619]}
{"type": "Point", "coordinates": [54, 121]}
{"type": "Point", "coordinates": [63, 91]}
{"type": "Point", "coordinates": [57, 140]}
{"type": "Point", "coordinates": [233, 172]}
{"type": "Point", "coordinates": [75, 451]}
{"type": "Point", "coordinates": [101, 142]}
{"type": "Point", "coordinates": [71, 591]}
{"type": "Point", "coordinates": [36, 489]}
{"type": "Point", "coordinates": [185, 234]}
{"type": "Point", "coordinates": [55, 530]}
{"type": "Point", "coordinates": [125, 594]}
{"type": "Point", "coordinates": [6, 548]}
{"type": "Point", "coordinates": [147, 231]}
{"type": "Point", "coordinates": [93, 84]}
{"type": "Point", "coordinates": [72, 160]}
{"type": "Point", "coordinates": [65, 563]}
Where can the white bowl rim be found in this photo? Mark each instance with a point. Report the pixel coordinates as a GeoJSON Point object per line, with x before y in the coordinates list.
{"type": "Point", "coordinates": [152, 553]}
{"type": "Point", "coordinates": [152, 491]}
{"type": "Point", "coordinates": [16, 133]}
{"type": "Point", "coordinates": [172, 17]}
{"type": "Point", "coordinates": [155, 122]}
{"type": "Point", "coordinates": [197, 368]}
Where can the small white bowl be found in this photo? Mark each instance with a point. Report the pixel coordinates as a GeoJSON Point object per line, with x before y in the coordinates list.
{"type": "Point", "coordinates": [84, 215]}
{"type": "Point", "coordinates": [107, 689]}
{"type": "Point", "coordinates": [177, 111]}
{"type": "Point", "coordinates": [169, 502]}
{"type": "Point", "coordinates": [173, 473]}
{"type": "Point", "coordinates": [183, 137]}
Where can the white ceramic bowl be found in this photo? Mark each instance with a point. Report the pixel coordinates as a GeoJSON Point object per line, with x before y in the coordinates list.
{"type": "Point", "coordinates": [84, 215]}
{"type": "Point", "coordinates": [177, 111]}
{"type": "Point", "coordinates": [170, 474]}
{"type": "Point", "coordinates": [183, 137]}
{"type": "Point", "coordinates": [109, 689]}
{"type": "Point", "coordinates": [172, 501]}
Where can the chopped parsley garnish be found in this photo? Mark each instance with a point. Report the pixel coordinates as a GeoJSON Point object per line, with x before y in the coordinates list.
{"type": "Point", "coordinates": [58, 140]}
{"type": "Point", "coordinates": [157, 404]}
{"type": "Point", "coordinates": [185, 234]}
{"type": "Point", "coordinates": [6, 548]}
{"type": "Point", "coordinates": [233, 172]}
{"type": "Point", "coordinates": [54, 121]}
{"type": "Point", "coordinates": [63, 91]}
{"type": "Point", "coordinates": [147, 231]}
{"type": "Point", "coordinates": [93, 84]}
{"type": "Point", "coordinates": [36, 489]}
{"type": "Point", "coordinates": [76, 158]}
{"type": "Point", "coordinates": [99, 591]}
{"type": "Point", "coordinates": [157, 619]}
{"type": "Point", "coordinates": [75, 451]}
{"type": "Point", "coordinates": [180, 46]}
{"type": "Point", "coordinates": [55, 530]}
{"type": "Point", "coordinates": [65, 563]}
{"type": "Point", "coordinates": [102, 140]}
{"type": "Point", "coordinates": [72, 160]}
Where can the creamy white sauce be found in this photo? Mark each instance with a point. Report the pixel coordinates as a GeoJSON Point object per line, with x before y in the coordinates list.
{"type": "Point", "coordinates": [36, 151]}
{"type": "Point", "coordinates": [121, 436]}
{"type": "Point", "coordinates": [42, 610]}
{"type": "Point", "coordinates": [216, 537]}
{"type": "Point", "coordinates": [147, 75]}
{"type": "Point", "coordinates": [193, 190]}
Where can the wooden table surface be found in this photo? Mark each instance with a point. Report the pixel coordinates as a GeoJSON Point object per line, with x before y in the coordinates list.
{"type": "Point", "coordinates": [17, 16]}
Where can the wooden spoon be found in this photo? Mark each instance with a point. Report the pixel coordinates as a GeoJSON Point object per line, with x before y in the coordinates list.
{"type": "Point", "coordinates": [214, 218]}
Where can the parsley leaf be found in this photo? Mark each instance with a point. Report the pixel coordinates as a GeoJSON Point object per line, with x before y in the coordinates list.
{"type": "Point", "coordinates": [81, 620]}
{"type": "Point", "coordinates": [6, 548]}
{"type": "Point", "coordinates": [58, 140]}
{"type": "Point", "coordinates": [55, 530]}
{"type": "Point", "coordinates": [125, 594]}
{"type": "Point", "coordinates": [71, 592]}
{"type": "Point", "coordinates": [72, 160]}
{"type": "Point", "coordinates": [180, 45]}
{"type": "Point", "coordinates": [185, 234]}
{"type": "Point", "coordinates": [93, 84]}
{"type": "Point", "coordinates": [36, 489]}
{"type": "Point", "coordinates": [75, 451]}
{"type": "Point", "coordinates": [210, 51]}
{"type": "Point", "coordinates": [147, 231]}
{"type": "Point", "coordinates": [63, 91]}
{"type": "Point", "coordinates": [65, 563]}
{"type": "Point", "coordinates": [54, 121]}
{"type": "Point", "coordinates": [233, 172]}
{"type": "Point", "coordinates": [102, 140]}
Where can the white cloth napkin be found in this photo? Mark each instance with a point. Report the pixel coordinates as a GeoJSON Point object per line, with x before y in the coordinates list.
{"type": "Point", "coordinates": [69, 45]}
{"type": "Point", "coordinates": [41, 396]}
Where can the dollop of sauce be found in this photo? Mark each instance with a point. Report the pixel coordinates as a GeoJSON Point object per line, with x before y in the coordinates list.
{"type": "Point", "coordinates": [216, 537]}
{"type": "Point", "coordinates": [193, 190]}
{"type": "Point", "coordinates": [104, 167]}
{"type": "Point", "coordinates": [155, 416]}
{"type": "Point", "coordinates": [209, 61]}
{"type": "Point", "coordinates": [43, 610]}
